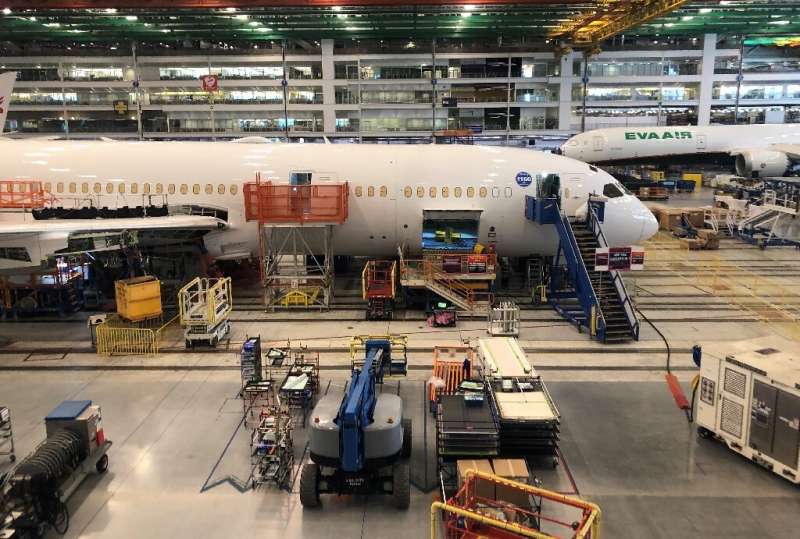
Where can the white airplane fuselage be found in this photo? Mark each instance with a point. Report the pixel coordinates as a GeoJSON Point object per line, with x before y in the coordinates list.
{"type": "Point", "coordinates": [389, 187]}
{"type": "Point", "coordinates": [626, 144]}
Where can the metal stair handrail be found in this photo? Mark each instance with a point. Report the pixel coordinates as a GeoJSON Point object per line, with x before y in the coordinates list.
{"type": "Point", "coordinates": [582, 281]}
{"type": "Point", "coordinates": [456, 287]}
{"type": "Point", "coordinates": [616, 278]}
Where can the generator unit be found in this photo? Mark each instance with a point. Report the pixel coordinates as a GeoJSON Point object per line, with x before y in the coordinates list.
{"type": "Point", "coordinates": [749, 398]}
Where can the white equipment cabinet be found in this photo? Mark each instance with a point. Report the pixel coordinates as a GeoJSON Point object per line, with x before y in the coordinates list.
{"type": "Point", "coordinates": [749, 398]}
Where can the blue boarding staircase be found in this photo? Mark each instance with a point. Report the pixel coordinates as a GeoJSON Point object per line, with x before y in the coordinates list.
{"type": "Point", "coordinates": [595, 300]}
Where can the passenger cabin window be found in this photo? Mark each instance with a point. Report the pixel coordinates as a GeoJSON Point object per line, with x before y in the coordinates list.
{"type": "Point", "coordinates": [209, 189]}
{"type": "Point", "coordinates": [196, 189]}
{"type": "Point", "coordinates": [72, 187]}
{"type": "Point", "coordinates": [60, 187]}
{"type": "Point", "coordinates": [110, 188]}
{"type": "Point", "coordinates": [84, 187]}
{"type": "Point", "coordinates": [457, 192]}
{"type": "Point", "coordinates": [171, 189]}
{"type": "Point", "coordinates": [184, 189]}
{"type": "Point", "coordinates": [48, 187]}
{"type": "Point", "coordinates": [121, 188]}
{"type": "Point", "coordinates": [612, 191]}
{"type": "Point", "coordinates": [408, 192]}
{"type": "Point", "coordinates": [146, 188]}
{"type": "Point", "coordinates": [420, 192]}
{"type": "Point", "coordinates": [432, 192]}
{"type": "Point", "coordinates": [482, 192]}
{"type": "Point", "coordinates": [508, 192]}
{"type": "Point", "coordinates": [301, 178]}
{"type": "Point", "coordinates": [495, 192]}
{"type": "Point", "coordinates": [98, 188]}
{"type": "Point", "coordinates": [234, 189]}
{"type": "Point", "coordinates": [384, 191]}
{"type": "Point", "coordinates": [159, 188]}
{"type": "Point", "coordinates": [359, 190]}
{"type": "Point", "coordinates": [221, 189]}
{"type": "Point", "coordinates": [470, 192]}
{"type": "Point", "coordinates": [445, 192]}
{"type": "Point", "coordinates": [134, 188]}
{"type": "Point", "coordinates": [370, 191]}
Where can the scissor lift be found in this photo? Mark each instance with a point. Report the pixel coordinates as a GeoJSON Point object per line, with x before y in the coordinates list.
{"type": "Point", "coordinates": [205, 306]}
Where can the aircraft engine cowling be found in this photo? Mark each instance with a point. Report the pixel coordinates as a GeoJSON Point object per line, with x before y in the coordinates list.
{"type": "Point", "coordinates": [761, 163]}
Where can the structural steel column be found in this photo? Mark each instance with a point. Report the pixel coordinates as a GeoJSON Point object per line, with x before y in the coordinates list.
{"type": "Point", "coordinates": [565, 93]}
{"type": "Point", "coordinates": [328, 88]}
{"type": "Point", "coordinates": [706, 79]}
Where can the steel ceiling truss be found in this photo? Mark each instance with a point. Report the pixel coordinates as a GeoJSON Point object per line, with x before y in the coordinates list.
{"type": "Point", "coordinates": [614, 17]}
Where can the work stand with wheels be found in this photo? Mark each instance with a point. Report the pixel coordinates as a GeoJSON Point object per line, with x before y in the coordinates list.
{"type": "Point", "coordinates": [6, 435]}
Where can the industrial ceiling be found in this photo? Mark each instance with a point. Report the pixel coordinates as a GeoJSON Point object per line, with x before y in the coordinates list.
{"type": "Point", "coordinates": [572, 21]}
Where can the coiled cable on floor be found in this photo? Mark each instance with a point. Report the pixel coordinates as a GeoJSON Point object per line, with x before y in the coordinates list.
{"type": "Point", "coordinates": [35, 482]}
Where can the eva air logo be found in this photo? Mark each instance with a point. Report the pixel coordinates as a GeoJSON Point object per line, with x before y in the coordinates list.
{"type": "Point", "coordinates": [653, 135]}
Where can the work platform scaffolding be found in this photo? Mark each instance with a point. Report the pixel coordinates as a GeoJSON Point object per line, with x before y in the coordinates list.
{"type": "Point", "coordinates": [296, 224]}
{"type": "Point", "coordinates": [464, 279]}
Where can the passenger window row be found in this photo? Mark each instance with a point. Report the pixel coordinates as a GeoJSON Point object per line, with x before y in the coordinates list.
{"type": "Point", "coordinates": [121, 188]}
{"type": "Point", "coordinates": [434, 192]}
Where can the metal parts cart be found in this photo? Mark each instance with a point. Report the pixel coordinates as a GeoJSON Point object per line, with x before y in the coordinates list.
{"type": "Point", "coordinates": [6, 435]}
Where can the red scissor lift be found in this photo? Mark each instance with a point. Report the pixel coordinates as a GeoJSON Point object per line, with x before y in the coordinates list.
{"type": "Point", "coordinates": [378, 288]}
{"type": "Point", "coordinates": [295, 232]}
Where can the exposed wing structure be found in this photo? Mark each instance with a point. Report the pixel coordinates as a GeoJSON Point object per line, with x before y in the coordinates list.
{"type": "Point", "coordinates": [172, 222]}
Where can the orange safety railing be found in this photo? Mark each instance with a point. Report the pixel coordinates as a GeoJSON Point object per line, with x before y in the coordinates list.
{"type": "Point", "coordinates": [431, 272]}
{"type": "Point", "coordinates": [468, 263]}
{"type": "Point", "coordinates": [268, 202]}
{"type": "Point", "coordinates": [448, 366]}
{"type": "Point", "coordinates": [23, 194]}
{"type": "Point", "coordinates": [468, 515]}
{"type": "Point", "coordinates": [377, 279]}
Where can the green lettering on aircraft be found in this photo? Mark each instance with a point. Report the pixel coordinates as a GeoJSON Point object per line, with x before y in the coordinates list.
{"type": "Point", "coordinates": [654, 135]}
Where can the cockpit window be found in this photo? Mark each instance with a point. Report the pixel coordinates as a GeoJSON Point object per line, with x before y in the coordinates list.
{"type": "Point", "coordinates": [612, 190]}
{"type": "Point", "coordinates": [572, 142]}
{"type": "Point", "coordinates": [624, 189]}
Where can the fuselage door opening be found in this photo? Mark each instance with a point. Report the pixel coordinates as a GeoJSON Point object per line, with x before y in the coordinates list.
{"type": "Point", "coordinates": [450, 230]}
{"type": "Point", "coordinates": [597, 143]}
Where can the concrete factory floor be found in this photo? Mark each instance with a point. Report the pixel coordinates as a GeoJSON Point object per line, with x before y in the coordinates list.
{"type": "Point", "coordinates": [172, 473]}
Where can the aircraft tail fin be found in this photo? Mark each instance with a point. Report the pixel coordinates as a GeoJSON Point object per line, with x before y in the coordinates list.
{"type": "Point", "coordinates": [6, 86]}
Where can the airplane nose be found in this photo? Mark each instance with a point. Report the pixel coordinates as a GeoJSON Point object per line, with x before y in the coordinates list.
{"type": "Point", "coordinates": [649, 223]}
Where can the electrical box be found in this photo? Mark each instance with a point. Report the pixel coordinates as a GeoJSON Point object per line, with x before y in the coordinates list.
{"type": "Point", "coordinates": [749, 397]}
{"type": "Point", "coordinates": [138, 298]}
{"type": "Point", "coordinates": [81, 417]}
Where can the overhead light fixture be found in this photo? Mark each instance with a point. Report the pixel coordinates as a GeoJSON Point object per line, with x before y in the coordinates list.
{"type": "Point", "coordinates": [467, 14]}
{"type": "Point", "coordinates": [52, 24]}
{"type": "Point", "coordinates": [110, 10]}
{"type": "Point", "coordinates": [705, 10]}
{"type": "Point", "coordinates": [32, 19]}
{"type": "Point", "coordinates": [781, 23]}
{"type": "Point", "coordinates": [131, 18]}
{"type": "Point", "coordinates": [263, 29]}
{"type": "Point", "coordinates": [166, 31]}
{"type": "Point", "coordinates": [350, 28]}
{"type": "Point", "coordinates": [469, 7]}
{"type": "Point", "coordinates": [687, 18]}
{"type": "Point", "coordinates": [230, 9]}
{"type": "Point", "coordinates": [669, 24]}
{"type": "Point", "coordinates": [341, 16]}
{"type": "Point", "coordinates": [6, 11]}
{"type": "Point", "coordinates": [336, 8]}
{"type": "Point", "coordinates": [254, 23]}
{"type": "Point", "coordinates": [242, 17]}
